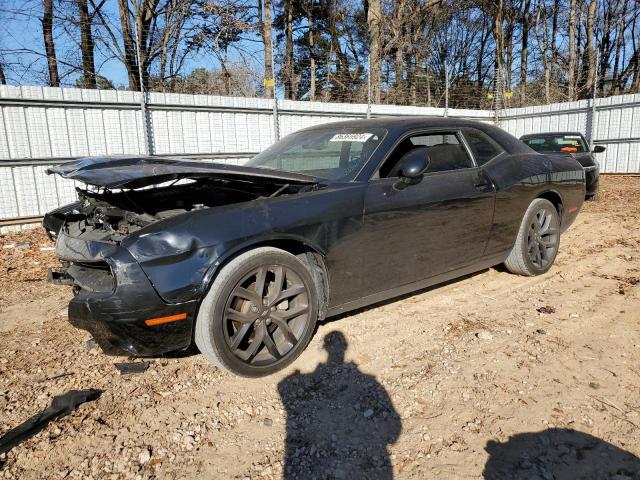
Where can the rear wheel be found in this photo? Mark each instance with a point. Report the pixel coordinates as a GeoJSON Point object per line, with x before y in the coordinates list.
{"type": "Point", "coordinates": [259, 314]}
{"type": "Point", "coordinates": [538, 240]}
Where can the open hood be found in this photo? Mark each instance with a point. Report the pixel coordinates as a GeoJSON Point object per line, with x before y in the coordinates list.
{"type": "Point", "coordinates": [137, 172]}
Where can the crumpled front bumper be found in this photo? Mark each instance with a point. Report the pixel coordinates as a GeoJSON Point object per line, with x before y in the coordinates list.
{"type": "Point", "coordinates": [116, 313]}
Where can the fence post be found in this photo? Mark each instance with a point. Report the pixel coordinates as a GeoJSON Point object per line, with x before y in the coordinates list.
{"type": "Point", "coordinates": [446, 89]}
{"type": "Point", "coordinates": [276, 121]}
{"type": "Point", "coordinates": [496, 94]}
{"type": "Point", "coordinates": [369, 85]}
{"type": "Point", "coordinates": [592, 129]}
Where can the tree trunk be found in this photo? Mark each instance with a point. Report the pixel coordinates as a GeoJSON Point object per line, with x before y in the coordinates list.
{"type": "Point", "coordinates": [312, 60]}
{"type": "Point", "coordinates": [621, 27]}
{"type": "Point", "coordinates": [399, 74]}
{"type": "Point", "coordinates": [49, 46]}
{"type": "Point", "coordinates": [288, 54]}
{"type": "Point", "coordinates": [590, 49]}
{"type": "Point", "coordinates": [145, 13]}
{"type": "Point", "coordinates": [486, 32]}
{"type": "Point", "coordinates": [605, 46]}
{"type": "Point", "coordinates": [508, 47]}
{"type": "Point", "coordinates": [3, 80]}
{"type": "Point", "coordinates": [542, 39]}
{"type": "Point", "coordinates": [374, 17]}
{"type": "Point", "coordinates": [635, 82]}
{"type": "Point", "coordinates": [265, 24]}
{"type": "Point", "coordinates": [86, 46]}
{"type": "Point", "coordinates": [499, 40]}
{"type": "Point", "coordinates": [524, 50]}
{"type": "Point", "coordinates": [572, 50]}
{"type": "Point", "coordinates": [129, 46]}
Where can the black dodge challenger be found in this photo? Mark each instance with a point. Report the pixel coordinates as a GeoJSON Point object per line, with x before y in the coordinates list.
{"type": "Point", "coordinates": [244, 260]}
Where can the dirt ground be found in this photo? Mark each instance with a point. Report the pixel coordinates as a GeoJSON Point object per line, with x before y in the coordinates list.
{"type": "Point", "coordinates": [493, 376]}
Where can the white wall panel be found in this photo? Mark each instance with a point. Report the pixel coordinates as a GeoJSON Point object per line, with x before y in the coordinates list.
{"type": "Point", "coordinates": [77, 132]}
{"type": "Point", "coordinates": [96, 132]}
{"type": "Point", "coordinates": [8, 197]}
{"type": "Point", "coordinates": [130, 134]}
{"type": "Point", "coordinates": [57, 131]}
{"type": "Point", "coordinates": [160, 129]}
{"type": "Point", "coordinates": [16, 128]}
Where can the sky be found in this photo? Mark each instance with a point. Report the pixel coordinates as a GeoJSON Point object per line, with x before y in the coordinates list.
{"type": "Point", "coordinates": [22, 47]}
{"type": "Point", "coordinates": [22, 44]}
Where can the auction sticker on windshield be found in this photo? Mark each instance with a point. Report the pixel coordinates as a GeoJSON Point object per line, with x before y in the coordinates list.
{"type": "Point", "coordinates": [351, 137]}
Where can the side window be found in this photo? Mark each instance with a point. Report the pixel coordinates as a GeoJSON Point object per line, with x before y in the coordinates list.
{"type": "Point", "coordinates": [483, 148]}
{"type": "Point", "coordinates": [446, 152]}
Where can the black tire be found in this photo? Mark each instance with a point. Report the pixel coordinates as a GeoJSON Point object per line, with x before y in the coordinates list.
{"type": "Point", "coordinates": [538, 240]}
{"type": "Point", "coordinates": [239, 335]}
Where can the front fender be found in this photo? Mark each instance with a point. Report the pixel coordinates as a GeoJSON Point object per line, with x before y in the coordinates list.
{"type": "Point", "coordinates": [266, 239]}
{"type": "Point", "coordinates": [182, 255]}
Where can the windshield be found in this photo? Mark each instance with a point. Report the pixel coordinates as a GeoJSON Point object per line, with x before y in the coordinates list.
{"type": "Point", "coordinates": [336, 153]}
{"type": "Point", "coordinates": [556, 143]}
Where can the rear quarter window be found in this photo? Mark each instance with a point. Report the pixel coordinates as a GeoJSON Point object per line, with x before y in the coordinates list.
{"type": "Point", "coordinates": [482, 146]}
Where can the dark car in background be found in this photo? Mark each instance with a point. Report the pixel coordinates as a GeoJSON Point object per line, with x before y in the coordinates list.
{"type": "Point", "coordinates": [244, 260]}
{"type": "Point", "coordinates": [575, 145]}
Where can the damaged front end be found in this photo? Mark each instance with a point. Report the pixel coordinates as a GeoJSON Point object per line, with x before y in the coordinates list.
{"type": "Point", "coordinates": [113, 298]}
{"type": "Point", "coordinates": [118, 267]}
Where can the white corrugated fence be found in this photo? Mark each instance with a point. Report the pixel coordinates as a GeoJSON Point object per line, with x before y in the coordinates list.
{"type": "Point", "coordinates": [43, 126]}
{"type": "Point", "coordinates": [614, 123]}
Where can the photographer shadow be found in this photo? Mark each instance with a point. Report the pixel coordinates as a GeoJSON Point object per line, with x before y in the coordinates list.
{"type": "Point", "coordinates": [559, 454]}
{"type": "Point", "coordinates": [340, 421]}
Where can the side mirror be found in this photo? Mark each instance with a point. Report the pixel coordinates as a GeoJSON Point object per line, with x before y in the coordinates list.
{"type": "Point", "coordinates": [412, 167]}
{"type": "Point", "coordinates": [599, 149]}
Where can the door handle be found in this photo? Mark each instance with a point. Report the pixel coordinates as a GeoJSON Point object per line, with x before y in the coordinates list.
{"type": "Point", "coordinates": [483, 183]}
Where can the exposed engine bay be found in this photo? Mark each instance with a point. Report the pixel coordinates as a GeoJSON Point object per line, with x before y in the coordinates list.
{"type": "Point", "coordinates": [111, 215]}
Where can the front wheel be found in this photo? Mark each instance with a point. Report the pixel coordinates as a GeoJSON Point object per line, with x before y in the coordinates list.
{"type": "Point", "coordinates": [538, 240]}
{"type": "Point", "coordinates": [259, 314]}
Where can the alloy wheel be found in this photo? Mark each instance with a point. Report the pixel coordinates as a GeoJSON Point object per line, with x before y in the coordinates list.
{"type": "Point", "coordinates": [543, 238]}
{"type": "Point", "coordinates": [266, 314]}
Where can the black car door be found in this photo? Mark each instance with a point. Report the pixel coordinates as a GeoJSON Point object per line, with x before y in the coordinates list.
{"type": "Point", "coordinates": [435, 226]}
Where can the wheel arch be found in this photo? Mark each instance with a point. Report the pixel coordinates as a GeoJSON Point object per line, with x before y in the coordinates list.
{"type": "Point", "coordinates": [308, 252]}
{"type": "Point", "coordinates": [555, 198]}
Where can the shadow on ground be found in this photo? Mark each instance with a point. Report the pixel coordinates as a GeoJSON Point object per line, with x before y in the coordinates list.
{"type": "Point", "coordinates": [559, 454]}
{"type": "Point", "coordinates": [340, 420]}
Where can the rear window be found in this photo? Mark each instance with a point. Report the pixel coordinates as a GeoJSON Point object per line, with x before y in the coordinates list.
{"type": "Point", "coordinates": [556, 143]}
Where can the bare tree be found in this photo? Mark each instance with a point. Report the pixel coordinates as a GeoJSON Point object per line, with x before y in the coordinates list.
{"type": "Point", "coordinates": [86, 45]}
{"type": "Point", "coordinates": [544, 44]}
{"type": "Point", "coordinates": [49, 44]}
{"type": "Point", "coordinates": [374, 18]}
{"type": "Point", "coordinates": [264, 16]}
{"type": "Point", "coordinates": [130, 57]}
{"type": "Point", "coordinates": [311, 44]}
{"type": "Point", "coordinates": [572, 60]}
{"type": "Point", "coordinates": [634, 64]}
{"type": "Point", "coordinates": [524, 50]}
{"type": "Point", "coordinates": [588, 76]}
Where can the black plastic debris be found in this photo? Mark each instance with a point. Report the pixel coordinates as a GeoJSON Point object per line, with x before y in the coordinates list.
{"type": "Point", "coordinates": [128, 368]}
{"type": "Point", "coordinates": [61, 405]}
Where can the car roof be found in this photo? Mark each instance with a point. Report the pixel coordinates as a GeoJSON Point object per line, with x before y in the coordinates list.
{"type": "Point", "coordinates": [550, 133]}
{"type": "Point", "coordinates": [399, 125]}
{"type": "Point", "coordinates": [407, 122]}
